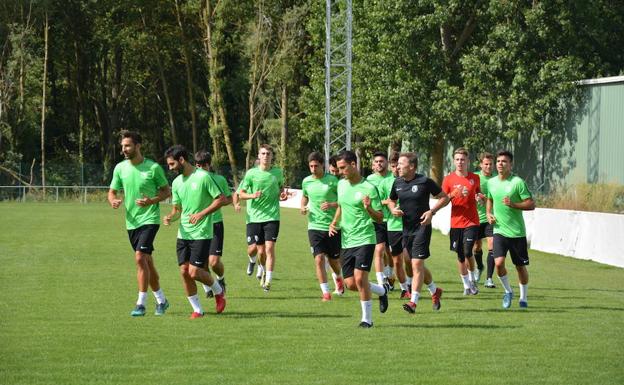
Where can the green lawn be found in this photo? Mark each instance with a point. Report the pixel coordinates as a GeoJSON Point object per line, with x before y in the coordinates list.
{"type": "Point", "coordinates": [67, 285]}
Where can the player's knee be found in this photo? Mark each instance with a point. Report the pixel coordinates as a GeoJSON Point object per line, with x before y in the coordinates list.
{"type": "Point", "coordinates": [141, 258]}
{"type": "Point", "coordinates": [184, 270]}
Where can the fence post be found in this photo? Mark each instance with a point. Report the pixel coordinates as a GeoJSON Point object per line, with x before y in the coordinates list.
{"type": "Point", "coordinates": [56, 194]}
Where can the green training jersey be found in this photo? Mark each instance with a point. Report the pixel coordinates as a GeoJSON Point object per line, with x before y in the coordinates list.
{"type": "Point", "coordinates": [138, 181]}
{"type": "Point", "coordinates": [509, 221]}
{"type": "Point", "coordinates": [319, 190]}
{"type": "Point", "coordinates": [221, 182]}
{"type": "Point", "coordinates": [481, 207]}
{"type": "Point", "coordinates": [356, 225]}
{"type": "Point", "coordinates": [379, 181]}
{"type": "Point", "coordinates": [394, 223]}
{"type": "Point", "coordinates": [265, 208]}
{"type": "Point", "coordinates": [194, 193]}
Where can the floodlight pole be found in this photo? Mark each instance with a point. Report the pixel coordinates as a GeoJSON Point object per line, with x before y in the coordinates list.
{"type": "Point", "coordinates": [338, 66]}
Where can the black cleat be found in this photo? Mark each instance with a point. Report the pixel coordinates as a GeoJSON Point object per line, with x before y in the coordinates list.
{"type": "Point", "coordinates": [366, 325]}
{"type": "Point", "coordinates": [250, 268]}
{"type": "Point", "coordinates": [222, 284]}
{"type": "Point", "coordinates": [209, 294]}
{"type": "Point", "coordinates": [383, 299]}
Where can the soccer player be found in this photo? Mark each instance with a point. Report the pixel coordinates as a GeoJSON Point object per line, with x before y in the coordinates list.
{"type": "Point", "coordinates": [319, 202]}
{"type": "Point", "coordinates": [381, 173]}
{"type": "Point", "coordinates": [462, 187]}
{"type": "Point", "coordinates": [412, 190]}
{"type": "Point", "coordinates": [486, 160]}
{"type": "Point", "coordinates": [195, 198]}
{"type": "Point", "coordinates": [333, 169]}
{"type": "Point", "coordinates": [264, 187]}
{"type": "Point", "coordinates": [203, 160]}
{"type": "Point", "coordinates": [144, 185]}
{"type": "Point", "coordinates": [508, 196]}
{"type": "Point", "coordinates": [358, 207]}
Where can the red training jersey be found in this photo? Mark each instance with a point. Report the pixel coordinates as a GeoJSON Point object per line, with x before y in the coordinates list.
{"type": "Point", "coordinates": [463, 191]}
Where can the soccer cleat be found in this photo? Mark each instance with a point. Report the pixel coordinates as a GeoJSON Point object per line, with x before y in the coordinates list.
{"type": "Point", "coordinates": [383, 299]}
{"type": "Point", "coordinates": [259, 272]}
{"type": "Point", "coordinates": [196, 315]}
{"type": "Point", "coordinates": [523, 304]}
{"type": "Point", "coordinates": [161, 308]}
{"type": "Point", "coordinates": [466, 291]}
{"type": "Point", "coordinates": [222, 284]}
{"type": "Point", "coordinates": [209, 294]}
{"type": "Point", "coordinates": [507, 300]}
{"type": "Point", "coordinates": [435, 299]}
{"type": "Point", "coordinates": [267, 287]}
{"type": "Point", "coordinates": [474, 290]}
{"type": "Point", "coordinates": [489, 284]}
{"type": "Point", "coordinates": [250, 268]}
{"type": "Point", "coordinates": [220, 302]}
{"type": "Point", "coordinates": [326, 297]}
{"type": "Point", "coordinates": [391, 281]}
{"type": "Point", "coordinates": [339, 287]}
{"type": "Point", "coordinates": [139, 311]}
{"type": "Point", "coordinates": [366, 325]}
{"type": "Point", "coordinates": [409, 307]}
{"type": "Point", "coordinates": [262, 278]}
{"type": "Point", "coordinates": [405, 294]}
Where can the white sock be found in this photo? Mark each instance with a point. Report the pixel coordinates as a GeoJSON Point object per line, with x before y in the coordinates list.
{"type": "Point", "coordinates": [194, 300]}
{"type": "Point", "coordinates": [390, 271]}
{"type": "Point", "coordinates": [218, 277]}
{"type": "Point", "coordinates": [523, 292]}
{"type": "Point", "coordinates": [403, 285]}
{"type": "Point", "coordinates": [474, 275]}
{"type": "Point", "coordinates": [142, 298]}
{"type": "Point", "coordinates": [408, 279]}
{"type": "Point", "coordinates": [325, 287]}
{"type": "Point", "coordinates": [269, 276]}
{"type": "Point", "coordinates": [505, 281]}
{"type": "Point", "coordinates": [386, 271]}
{"type": "Point", "coordinates": [380, 277]}
{"type": "Point", "coordinates": [252, 259]}
{"type": "Point", "coordinates": [260, 270]}
{"type": "Point", "coordinates": [415, 296]}
{"type": "Point", "coordinates": [466, 280]}
{"type": "Point", "coordinates": [377, 289]}
{"type": "Point", "coordinates": [160, 296]}
{"type": "Point", "coordinates": [335, 278]}
{"type": "Point", "coordinates": [207, 288]}
{"type": "Point", "coordinates": [432, 288]}
{"type": "Point", "coordinates": [367, 311]}
{"type": "Point", "coordinates": [216, 288]}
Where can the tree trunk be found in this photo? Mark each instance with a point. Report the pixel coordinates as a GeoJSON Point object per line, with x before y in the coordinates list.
{"type": "Point", "coordinates": [189, 75]}
{"type": "Point", "coordinates": [43, 101]}
{"type": "Point", "coordinates": [437, 160]}
{"type": "Point", "coordinates": [284, 125]}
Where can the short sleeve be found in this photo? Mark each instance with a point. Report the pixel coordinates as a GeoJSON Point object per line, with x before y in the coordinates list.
{"type": "Point", "coordinates": [375, 198]}
{"type": "Point", "coordinates": [175, 196]}
{"type": "Point", "coordinates": [159, 176]}
{"type": "Point", "coordinates": [523, 190]}
{"type": "Point", "coordinates": [393, 194]}
{"type": "Point", "coordinates": [477, 180]}
{"type": "Point", "coordinates": [489, 189]}
{"type": "Point", "coordinates": [246, 183]}
{"type": "Point", "coordinates": [446, 186]}
{"type": "Point", "coordinates": [304, 190]}
{"type": "Point", "coordinates": [116, 181]}
{"type": "Point", "coordinates": [211, 187]}
{"type": "Point", "coordinates": [433, 187]}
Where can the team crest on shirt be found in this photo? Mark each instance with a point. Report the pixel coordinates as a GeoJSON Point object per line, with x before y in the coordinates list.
{"type": "Point", "coordinates": [414, 188]}
{"type": "Point", "coordinates": [194, 186]}
{"type": "Point", "coordinates": [325, 187]}
{"type": "Point", "coordinates": [358, 195]}
{"type": "Point", "coordinates": [471, 181]}
{"type": "Point", "coordinates": [144, 174]}
{"type": "Point", "coordinates": [508, 189]}
{"type": "Point", "coordinates": [273, 178]}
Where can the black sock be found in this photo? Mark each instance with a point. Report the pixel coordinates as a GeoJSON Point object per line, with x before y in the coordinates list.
{"type": "Point", "coordinates": [490, 264]}
{"type": "Point", "coordinates": [479, 259]}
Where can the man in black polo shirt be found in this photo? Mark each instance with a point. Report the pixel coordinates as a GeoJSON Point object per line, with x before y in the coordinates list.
{"type": "Point", "coordinates": [412, 192]}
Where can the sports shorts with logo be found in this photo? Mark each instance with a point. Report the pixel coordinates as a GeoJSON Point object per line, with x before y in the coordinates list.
{"type": "Point", "coordinates": [322, 243]}
{"type": "Point", "coordinates": [193, 251]}
{"type": "Point", "coordinates": [216, 245]}
{"type": "Point", "coordinates": [258, 233]}
{"type": "Point", "coordinates": [417, 243]}
{"type": "Point", "coordinates": [486, 230]}
{"type": "Point", "coordinates": [142, 238]}
{"type": "Point", "coordinates": [517, 248]}
{"type": "Point", "coordinates": [395, 242]}
{"type": "Point", "coordinates": [462, 241]}
{"type": "Point", "coordinates": [381, 232]}
{"type": "Point", "coordinates": [360, 257]}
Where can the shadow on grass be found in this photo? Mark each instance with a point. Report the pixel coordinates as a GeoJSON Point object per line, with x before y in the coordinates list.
{"type": "Point", "coordinates": [517, 310]}
{"type": "Point", "coordinates": [579, 289]}
{"type": "Point", "coordinates": [268, 314]}
{"type": "Point", "coordinates": [453, 326]}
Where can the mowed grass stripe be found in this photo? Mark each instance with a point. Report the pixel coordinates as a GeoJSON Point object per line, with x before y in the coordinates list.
{"type": "Point", "coordinates": [67, 285]}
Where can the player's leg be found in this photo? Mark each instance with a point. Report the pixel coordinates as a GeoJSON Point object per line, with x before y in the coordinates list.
{"type": "Point", "coordinates": [469, 237]}
{"type": "Point", "coordinates": [271, 232]}
{"type": "Point", "coordinates": [520, 258]}
{"type": "Point", "coordinates": [183, 251]}
{"type": "Point", "coordinates": [501, 246]}
{"type": "Point", "coordinates": [363, 259]}
{"type": "Point", "coordinates": [198, 258]}
{"type": "Point", "coordinates": [456, 236]}
{"type": "Point", "coordinates": [252, 249]}
{"type": "Point", "coordinates": [214, 257]}
{"type": "Point", "coordinates": [333, 259]}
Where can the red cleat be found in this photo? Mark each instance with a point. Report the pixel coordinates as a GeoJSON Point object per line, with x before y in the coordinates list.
{"type": "Point", "coordinates": [409, 307]}
{"type": "Point", "coordinates": [405, 294]}
{"type": "Point", "coordinates": [196, 315]}
{"type": "Point", "coordinates": [220, 302]}
{"type": "Point", "coordinates": [339, 287]}
{"type": "Point", "coordinates": [326, 297]}
{"type": "Point", "coordinates": [435, 298]}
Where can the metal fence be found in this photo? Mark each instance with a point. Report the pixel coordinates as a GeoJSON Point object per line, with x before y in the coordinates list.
{"type": "Point", "coordinates": [82, 194]}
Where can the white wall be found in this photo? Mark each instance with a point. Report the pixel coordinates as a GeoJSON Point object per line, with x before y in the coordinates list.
{"type": "Point", "coordinates": [579, 234]}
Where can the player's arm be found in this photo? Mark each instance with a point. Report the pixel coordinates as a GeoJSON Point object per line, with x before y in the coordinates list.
{"type": "Point", "coordinates": [443, 200]}
{"type": "Point", "coordinates": [489, 205]}
{"type": "Point", "coordinates": [242, 194]}
{"type": "Point", "coordinates": [214, 206]}
{"type": "Point", "coordinates": [112, 198]}
{"type": "Point", "coordinates": [393, 207]}
{"type": "Point", "coordinates": [334, 222]}
{"type": "Point", "coordinates": [303, 209]}
{"type": "Point", "coordinates": [527, 204]}
{"type": "Point", "coordinates": [164, 192]}
{"type": "Point", "coordinates": [173, 216]}
{"type": "Point", "coordinates": [376, 215]}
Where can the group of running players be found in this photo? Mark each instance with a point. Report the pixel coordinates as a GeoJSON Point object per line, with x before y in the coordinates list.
{"type": "Point", "coordinates": [354, 223]}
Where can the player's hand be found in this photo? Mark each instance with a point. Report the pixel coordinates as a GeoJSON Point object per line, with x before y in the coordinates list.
{"type": "Point", "coordinates": [167, 220]}
{"type": "Point", "coordinates": [304, 210]}
{"type": "Point", "coordinates": [426, 218]}
{"type": "Point", "coordinates": [507, 202]}
{"type": "Point", "coordinates": [143, 202]}
{"type": "Point", "coordinates": [237, 208]}
{"type": "Point", "coordinates": [332, 229]}
{"type": "Point", "coordinates": [115, 203]}
{"type": "Point", "coordinates": [257, 194]}
{"type": "Point", "coordinates": [480, 198]}
{"type": "Point", "coordinates": [397, 212]}
{"type": "Point", "coordinates": [194, 218]}
{"type": "Point", "coordinates": [283, 195]}
{"type": "Point", "coordinates": [325, 206]}
{"type": "Point", "coordinates": [491, 219]}
{"type": "Point", "coordinates": [366, 201]}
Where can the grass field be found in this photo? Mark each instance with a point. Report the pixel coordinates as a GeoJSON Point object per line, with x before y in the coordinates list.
{"type": "Point", "coordinates": [67, 285]}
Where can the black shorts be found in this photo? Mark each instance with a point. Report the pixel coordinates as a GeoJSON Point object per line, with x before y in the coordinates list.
{"type": "Point", "coordinates": [486, 230]}
{"type": "Point", "coordinates": [417, 243]}
{"type": "Point", "coordinates": [381, 232]}
{"type": "Point", "coordinates": [463, 240]}
{"type": "Point", "coordinates": [322, 243]}
{"type": "Point", "coordinates": [258, 233]}
{"type": "Point", "coordinates": [395, 242]}
{"type": "Point", "coordinates": [193, 251]}
{"type": "Point", "coordinates": [360, 258]}
{"type": "Point", "coordinates": [142, 238]}
{"type": "Point", "coordinates": [216, 245]}
{"type": "Point", "coordinates": [517, 248]}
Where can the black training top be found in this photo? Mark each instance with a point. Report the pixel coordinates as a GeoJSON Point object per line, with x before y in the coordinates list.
{"type": "Point", "coordinates": [413, 197]}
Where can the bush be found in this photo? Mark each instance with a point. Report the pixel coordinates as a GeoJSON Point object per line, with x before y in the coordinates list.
{"type": "Point", "coordinates": [607, 198]}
